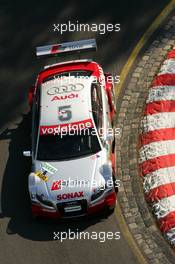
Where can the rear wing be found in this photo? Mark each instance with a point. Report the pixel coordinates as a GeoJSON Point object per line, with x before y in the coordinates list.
{"type": "Point", "coordinates": [67, 47]}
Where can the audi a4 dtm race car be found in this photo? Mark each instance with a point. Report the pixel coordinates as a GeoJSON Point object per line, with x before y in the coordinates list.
{"type": "Point", "coordinates": [73, 144]}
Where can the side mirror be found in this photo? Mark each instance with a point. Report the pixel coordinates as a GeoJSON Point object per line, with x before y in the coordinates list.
{"type": "Point", "coordinates": [27, 153]}
{"type": "Point", "coordinates": [109, 137]}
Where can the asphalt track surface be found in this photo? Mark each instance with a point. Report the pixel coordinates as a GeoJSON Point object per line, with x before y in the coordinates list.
{"type": "Point", "coordinates": [24, 26]}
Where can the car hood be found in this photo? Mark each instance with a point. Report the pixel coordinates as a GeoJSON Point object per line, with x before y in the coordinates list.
{"type": "Point", "coordinates": [79, 176]}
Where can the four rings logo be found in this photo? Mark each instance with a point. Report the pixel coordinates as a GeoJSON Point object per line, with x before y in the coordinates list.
{"type": "Point", "coordinates": [65, 89]}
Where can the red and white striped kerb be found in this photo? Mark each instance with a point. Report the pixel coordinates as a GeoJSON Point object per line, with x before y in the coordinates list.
{"type": "Point", "coordinates": [157, 150]}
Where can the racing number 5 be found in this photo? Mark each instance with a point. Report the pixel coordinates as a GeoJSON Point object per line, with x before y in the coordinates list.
{"type": "Point", "coordinates": [64, 114]}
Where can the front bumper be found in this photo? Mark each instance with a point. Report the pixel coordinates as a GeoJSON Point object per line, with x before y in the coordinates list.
{"type": "Point", "coordinates": [108, 203]}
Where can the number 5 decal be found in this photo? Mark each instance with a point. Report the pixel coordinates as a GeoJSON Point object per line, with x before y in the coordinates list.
{"type": "Point", "coordinates": [64, 114]}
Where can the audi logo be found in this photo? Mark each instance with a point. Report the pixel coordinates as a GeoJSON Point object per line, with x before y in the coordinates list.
{"type": "Point", "coordinates": [65, 89]}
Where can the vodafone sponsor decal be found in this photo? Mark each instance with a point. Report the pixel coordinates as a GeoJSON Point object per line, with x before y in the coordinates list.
{"type": "Point", "coordinates": [157, 151]}
{"type": "Point", "coordinates": [56, 129]}
{"type": "Point", "coordinates": [72, 195]}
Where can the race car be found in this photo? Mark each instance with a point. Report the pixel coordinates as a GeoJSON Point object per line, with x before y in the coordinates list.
{"type": "Point", "coordinates": [73, 144]}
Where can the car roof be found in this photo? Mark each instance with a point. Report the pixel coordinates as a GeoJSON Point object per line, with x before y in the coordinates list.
{"type": "Point", "coordinates": [60, 94]}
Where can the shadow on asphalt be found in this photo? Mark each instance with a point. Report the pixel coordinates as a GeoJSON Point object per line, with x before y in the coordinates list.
{"type": "Point", "coordinates": [15, 198]}
{"type": "Point", "coordinates": [23, 27]}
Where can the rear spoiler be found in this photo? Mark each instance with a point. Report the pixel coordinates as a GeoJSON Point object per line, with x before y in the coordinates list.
{"type": "Point", "coordinates": [67, 47]}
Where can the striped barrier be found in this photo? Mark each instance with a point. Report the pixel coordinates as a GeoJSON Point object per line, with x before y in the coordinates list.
{"type": "Point", "coordinates": [157, 150]}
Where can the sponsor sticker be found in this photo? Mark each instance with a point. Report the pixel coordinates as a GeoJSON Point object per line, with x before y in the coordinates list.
{"type": "Point", "coordinates": [60, 184]}
{"type": "Point", "coordinates": [42, 175]}
{"type": "Point", "coordinates": [56, 185]}
{"type": "Point", "coordinates": [72, 195]}
{"type": "Point", "coordinates": [101, 76]}
{"type": "Point", "coordinates": [48, 167]}
{"type": "Point", "coordinates": [56, 129]}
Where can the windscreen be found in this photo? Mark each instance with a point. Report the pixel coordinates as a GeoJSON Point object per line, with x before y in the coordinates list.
{"type": "Point", "coordinates": [57, 147]}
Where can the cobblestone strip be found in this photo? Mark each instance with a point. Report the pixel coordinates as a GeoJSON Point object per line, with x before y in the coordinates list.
{"type": "Point", "coordinates": [137, 213]}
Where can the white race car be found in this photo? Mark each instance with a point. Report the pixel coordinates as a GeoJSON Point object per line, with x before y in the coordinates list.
{"type": "Point", "coordinates": [73, 144]}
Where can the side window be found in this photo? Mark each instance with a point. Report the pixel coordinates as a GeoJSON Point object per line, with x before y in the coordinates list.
{"type": "Point", "coordinates": [97, 106]}
{"type": "Point", "coordinates": [35, 118]}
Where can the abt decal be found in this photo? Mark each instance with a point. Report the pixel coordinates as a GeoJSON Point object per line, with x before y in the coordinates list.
{"type": "Point", "coordinates": [60, 184]}
{"type": "Point", "coordinates": [66, 196]}
{"type": "Point", "coordinates": [64, 97]}
{"type": "Point", "coordinates": [56, 185]}
{"type": "Point", "coordinates": [65, 89]}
